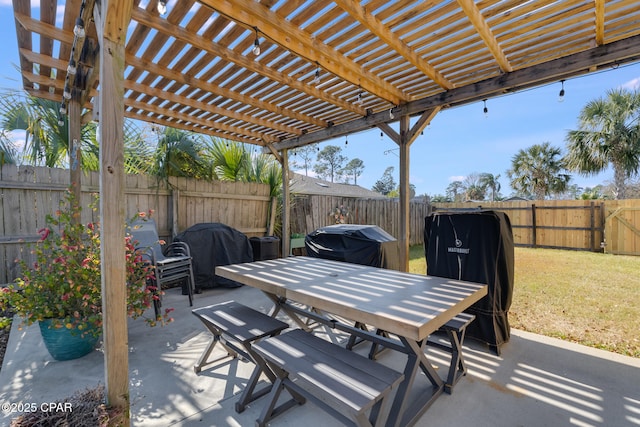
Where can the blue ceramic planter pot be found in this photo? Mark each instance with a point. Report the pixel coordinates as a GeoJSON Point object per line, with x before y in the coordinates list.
{"type": "Point", "coordinates": [65, 344]}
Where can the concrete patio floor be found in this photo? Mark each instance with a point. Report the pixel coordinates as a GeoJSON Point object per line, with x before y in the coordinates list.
{"type": "Point", "coordinates": [536, 381]}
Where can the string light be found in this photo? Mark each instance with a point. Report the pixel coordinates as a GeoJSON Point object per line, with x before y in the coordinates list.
{"type": "Point", "coordinates": [63, 108]}
{"type": "Point", "coordinates": [60, 121]}
{"type": "Point", "coordinates": [162, 7]}
{"type": "Point", "coordinates": [71, 68]}
{"type": "Point", "coordinates": [316, 77]}
{"type": "Point", "coordinates": [346, 140]}
{"type": "Point", "coordinates": [561, 94]}
{"type": "Point", "coordinates": [391, 116]}
{"type": "Point", "coordinates": [256, 44]}
{"type": "Point", "coordinates": [66, 94]}
{"type": "Point", "coordinates": [78, 30]}
{"type": "Point", "coordinates": [381, 135]}
{"type": "Point", "coordinates": [485, 109]}
{"type": "Point", "coordinates": [359, 100]}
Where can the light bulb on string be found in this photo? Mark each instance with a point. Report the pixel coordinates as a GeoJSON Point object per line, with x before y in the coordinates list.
{"type": "Point", "coordinates": [485, 110]}
{"type": "Point", "coordinates": [561, 94]}
{"type": "Point", "coordinates": [346, 140]}
{"type": "Point", "coordinates": [359, 100]}
{"type": "Point", "coordinates": [63, 108]}
{"type": "Point", "coordinates": [256, 44]}
{"type": "Point", "coordinates": [60, 121]}
{"type": "Point", "coordinates": [391, 116]}
{"type": "Point", "coordinates": [316, 77]}
{"type": "Point", "coordinates": [78, 30]}
{"type": "Point", "coordinates": [162, 7]}
{"type": "Point", "coordinates": [71, 68]}
{"type": "Point", "coordinates": [381, 135]}
{"type": "Point", "coordinates": [66, 94]}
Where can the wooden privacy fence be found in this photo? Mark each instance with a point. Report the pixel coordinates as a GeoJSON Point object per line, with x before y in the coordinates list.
{"type": "Point", "coordinates": [28, 194]}
{"type": "Point", "coordinates": [591, 225]}
{"type": "Point", "coordinates": [310, 212]}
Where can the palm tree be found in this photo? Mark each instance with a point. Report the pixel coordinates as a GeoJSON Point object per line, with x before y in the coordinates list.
{"type": "Point", "coordinates": [490, 181]}
{"type": "Point", "coordinates": [609, 133]}
{"type": "Point", "coordinates": [537, 171]}
{"type": "Point", "coordinates": [7, 150]}
{"type": "Point", "coordinates": [179, 153]}
{"type": "Point", "coordinates": [46, 137]}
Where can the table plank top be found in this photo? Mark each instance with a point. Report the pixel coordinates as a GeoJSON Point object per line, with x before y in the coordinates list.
{"type": "Point", "coordinates": [406, 304]}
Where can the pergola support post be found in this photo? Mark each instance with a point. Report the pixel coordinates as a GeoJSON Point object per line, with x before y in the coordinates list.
{"type": "Point", "coordinates": [404, 140]}
{"type": "Point", "coordinates": [74, 145]}
{"type": "Point", "coordinates": [286, 203]}
{"type": "Point", "coordinates": [112, 20]}
{"type": "Point", "coordinates": [403, 235]}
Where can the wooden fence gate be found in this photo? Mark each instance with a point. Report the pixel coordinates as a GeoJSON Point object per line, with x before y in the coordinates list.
{"type": "Point", "coordinates": [622, 234]}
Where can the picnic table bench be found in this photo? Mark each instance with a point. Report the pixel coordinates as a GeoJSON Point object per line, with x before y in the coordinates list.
{"type": "Point", "coordinates": [236, 327]}
{"type": "Point", "coordinates": [340, 381]}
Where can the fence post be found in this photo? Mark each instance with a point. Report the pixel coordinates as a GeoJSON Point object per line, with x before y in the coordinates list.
{"type": "Point", "coordinates": [593, 227]}
{"type": "Point", "coordinates": [533, 225]}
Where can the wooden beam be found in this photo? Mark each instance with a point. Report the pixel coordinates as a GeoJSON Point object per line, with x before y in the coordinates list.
{"type": "Point", "coordinates": [470, 9]}
{"type": "Point", "coordinates": [599, 27]}
{"type": "Point", "coordinates": [404, 235]}
{"type": "Point", "coordinates": [289, 36]}
{"type": "Point", "coordinates": [612, 54]}
{"type": "Point", "coordinates": [243, 61]}
{"type": "Point", "coordinates": [286, 203]}
{"type": "Point", "coordinates": [390, 132]}
{"type": "Point", "coordinates": [112, 20]}
{"type": "Point", "coordinates": [359, 12]}
{"type": "Point", "coordinates": [75, 142]}
{"type": "Point", "coordinates": [422, 123]}
{"type": "Point", "coordinates": [217, 90]}
{"type": "Point", "coordinates": [25, 40]}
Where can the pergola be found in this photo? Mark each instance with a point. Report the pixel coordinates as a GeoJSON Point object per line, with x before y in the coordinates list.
{"type": "Point", "coordinates": [284, 74]}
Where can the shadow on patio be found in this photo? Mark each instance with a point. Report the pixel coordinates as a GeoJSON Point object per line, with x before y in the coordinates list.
{"type": "Point", "coordinates": [537, 381]}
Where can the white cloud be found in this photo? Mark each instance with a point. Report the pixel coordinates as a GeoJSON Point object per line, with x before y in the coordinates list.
{"type": "Point", "coordinates": [633, 84]}
{"type": "Point", "coordinates": [457, 178]}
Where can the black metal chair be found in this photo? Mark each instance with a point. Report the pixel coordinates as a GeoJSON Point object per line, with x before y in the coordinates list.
{"type": "Point", "coordinates": [173, 265]}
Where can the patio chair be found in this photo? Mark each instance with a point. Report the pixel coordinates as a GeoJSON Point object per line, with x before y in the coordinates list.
{"type": "Point", "coordinates": [171, 266]}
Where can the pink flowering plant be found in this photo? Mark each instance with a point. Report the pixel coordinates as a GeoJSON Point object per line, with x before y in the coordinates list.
{"type": "Point", "coordinates": [64, 282]}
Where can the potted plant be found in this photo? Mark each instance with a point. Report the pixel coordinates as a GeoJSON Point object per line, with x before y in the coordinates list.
{"type": "Point", "coordinates": [62, 290]}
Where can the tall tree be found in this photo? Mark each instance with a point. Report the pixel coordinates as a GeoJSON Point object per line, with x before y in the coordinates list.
{"type": "Point", "coordinates": [329, 162]}
{"type": "Point", "coordinates": [353, 169]}
{"type": "Point", "coordinates": [538, 171]}
{"type": "Point", "coordinates": [490, 181]}
{"type": "Point", "coordinates": [302, 157]}
{"type": "Point", "coordinates": [455, 190]}
{"type": "Point", "coordinates": [609, 133]}
{"type": "Point", "coordinates": [386, 184]}
{"type": "Point", "coordinates": [473, 187]}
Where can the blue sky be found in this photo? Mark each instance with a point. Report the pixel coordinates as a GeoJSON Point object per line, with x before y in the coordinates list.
{"type": "Point", "coordinates": [459, 141]}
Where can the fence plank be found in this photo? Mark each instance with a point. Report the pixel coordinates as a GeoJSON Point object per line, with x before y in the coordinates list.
{"type": "Point", "coordinates": [30, 193]}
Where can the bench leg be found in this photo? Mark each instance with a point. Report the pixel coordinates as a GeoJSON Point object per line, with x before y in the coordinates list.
{"type": "Point", "coordinates": [248, 395]}
{"type": "Point", "coordinates": [270, 411]}
{"type": "Point", "coordinates": [457, 368]}
{"type": "Point", "coordinates": [204, 358]}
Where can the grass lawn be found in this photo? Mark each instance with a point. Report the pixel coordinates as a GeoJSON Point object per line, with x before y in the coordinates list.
{"type": "Point", "coordinates": [584, 297]}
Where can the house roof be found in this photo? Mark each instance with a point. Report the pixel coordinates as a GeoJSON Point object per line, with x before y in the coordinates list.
{"type": "Point", "coordinates": [194, 67]}
{"type": "Point", "coordinates": [302, 184]}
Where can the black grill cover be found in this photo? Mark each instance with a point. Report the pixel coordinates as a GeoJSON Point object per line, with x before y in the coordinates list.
{"type": "Point", "coordinates": [213, 244]}
{"type": "Point", "coordinates": [359, 244]}
{"type": "Point", "coordinates": [478, 247]}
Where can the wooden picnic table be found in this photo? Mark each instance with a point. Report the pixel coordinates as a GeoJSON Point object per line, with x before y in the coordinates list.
{"type": "Point", "coordinates": [409, 306]}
